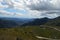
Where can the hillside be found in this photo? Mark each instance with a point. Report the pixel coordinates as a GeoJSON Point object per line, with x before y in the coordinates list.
{"type": "Point", "coordinates": [37, 22]}
{"type": "Point", "coordinates": [54, 22]}
{"type": "Point", "coordinates": [7, 23]}
{"type": "Point", "coordinates": [12, 22]}
{"type": "Point", "coordinates": [44, 21]}
{"type": "Point", "coordinates": [29, 33]}
{"type": "Point", "coordinates": [37, 29]}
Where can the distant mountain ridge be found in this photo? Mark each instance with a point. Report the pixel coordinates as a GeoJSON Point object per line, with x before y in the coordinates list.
{"type": "Point", "coordinates": [12, 22]}
{"type": "Point", "coordinates": [54, 22]}
{"type": "Point", "coordinates": [15, 22]}
{"type": "Point", "coordinates": [37, 22]}
{"type": "Point", "coordinates": [7, 23]}
{"type": "Point", "coordinates": [44, 21]}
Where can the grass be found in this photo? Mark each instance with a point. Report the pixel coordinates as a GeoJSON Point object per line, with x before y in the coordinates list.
{"type": "Point", "coordinates": [28, 33]}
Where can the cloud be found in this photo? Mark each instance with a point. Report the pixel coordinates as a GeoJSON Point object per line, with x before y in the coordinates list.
{"type": "Point", "coordinates": [2, 6]}
{"type": "Point", "coordinates": [35, 8]}
{"type": "Point", "coordinates": [3, 12]}
{"type": "Point", "coordinates": [9, 14]}
{"type": "Point", "coordinates": [47, 8]}
{"type": "Point", "coordinates": [45, 5]}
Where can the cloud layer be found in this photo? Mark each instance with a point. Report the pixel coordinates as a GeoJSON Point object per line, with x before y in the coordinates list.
{"type": "Point", "coordinates": [34, 8]}
{"type": "Point", "coordinates": [45, 5]}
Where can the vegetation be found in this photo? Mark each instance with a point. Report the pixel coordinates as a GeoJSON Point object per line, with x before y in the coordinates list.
{"type": "Point", "coordinates": [28, 33]}
{"type": "Point", "coordinates": [7, 23]}
{"type": "Point", "coordinates": [47, 28]}
{"type": "Point", "coordinates": [54, 22]}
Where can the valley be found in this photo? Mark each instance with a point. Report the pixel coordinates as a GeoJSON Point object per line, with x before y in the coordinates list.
{"type": "Point", "coordinates": [31, 29]}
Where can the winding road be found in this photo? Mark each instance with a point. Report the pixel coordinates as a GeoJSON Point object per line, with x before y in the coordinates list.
{"type": "Point", "coordinates": [45, 37]}
{"type": "Point", "coordinates": [50, 27]}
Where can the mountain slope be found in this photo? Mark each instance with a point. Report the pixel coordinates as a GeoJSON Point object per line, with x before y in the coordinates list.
{"type": "Point", "coordinates": [12, 22]}
{"type": "Point", "coordinates": [54, 22]}
{"type": "Point", "coordinates": [7, 23]}
{"type": "Point", "coordinates": [29, 33]}
{"type": "Point", "coordinates": [44, 21]}
{"type": "Point", "coordinates": [37, 22]}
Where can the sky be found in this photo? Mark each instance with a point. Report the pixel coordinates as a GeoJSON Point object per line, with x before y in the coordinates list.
{"type": "Point", "coordinates": [30, 8]}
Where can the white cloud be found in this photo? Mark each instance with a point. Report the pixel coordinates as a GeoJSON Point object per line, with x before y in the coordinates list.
{"type": "Point", "coordinates": [9, 14]}
{"type": "Point", "coordinates": [53, 4]}
{"type": "Point", "coordinates": [35, 8]}
{"type": "Point", "coordinates": [3, 12]}
{"type": "Point", "coordinates": [2, 6]}
{"type": "Point", "coordinates": [52, 15]}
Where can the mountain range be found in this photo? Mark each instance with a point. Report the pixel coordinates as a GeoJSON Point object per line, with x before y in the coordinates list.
{"type": "Point", "coordinates": [44, 21]}
{"type": "Point", "coordinates": [29, 29]}
{"type": "Point", "coordinates": [14, 22]}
